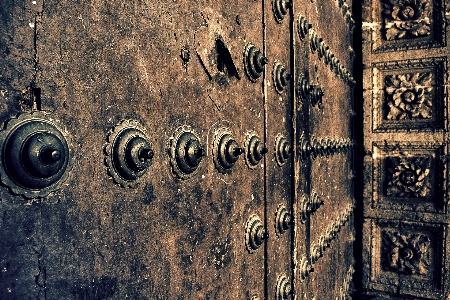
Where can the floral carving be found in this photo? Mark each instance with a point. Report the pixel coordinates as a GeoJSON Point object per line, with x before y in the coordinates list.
{"type": "Point", "coordinates": [409, 96]}
{"type": "Point", "coordinates": [406, 19]}
{"type": "Point", "coordinates": [408, 177]}
{"type": "Point", "coordinates": [406, 253]}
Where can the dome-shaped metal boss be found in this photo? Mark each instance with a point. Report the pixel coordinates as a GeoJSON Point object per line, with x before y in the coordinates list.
{"type": "Point", "coordinates": [280, 77]}
{"type": "Point", "coordinates": [280, 9]}
{"type": "Point", "coordinates": [305, 149]}
{"type": "Point", "coordinates": [305, 268]}
{"type": "Point", "coordinates": [283, 220]}
{"type": "Point", "coordinates": [304, 88]}
{"type": "Point", "coordinates": [283, 149]}
{"type": "Point", "coordinates": [254, 62]}
{"type": "Point", "coordinates": [303, 26]}
{"type": "Point", "coordinates": [315, 41]}
{"type": "Point", "coordinates": [226, 151]}
{"type": "Point", "coordinates": [129, 153]}
{"type": "Point", "coordinates": [186, 152]}
{"type": "Point", "coordinates": [255, 234]}
{"type": "Point", "coordinates": [317, 96]}
{"type": "Point", "coordinates": [255, 150]}
{"type": "Point", "coordinates": [284, 288]}
{"type": "Point", "coordinates": [36, 154]}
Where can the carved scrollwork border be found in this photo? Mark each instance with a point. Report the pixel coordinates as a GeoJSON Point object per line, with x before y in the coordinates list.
{"type": "Point", "coordinates": [410, 177]}
{"type": "Point", "coordinates": [395, 31]}
{"type": "Point", "coordinates": [420, 85]}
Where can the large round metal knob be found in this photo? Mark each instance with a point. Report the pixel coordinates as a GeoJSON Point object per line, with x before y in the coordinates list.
{"type": "Point", "coordinates": [36, 155]}
{"type": "Point", "coordinates": [255, 234]}
{"type": "Point", "coordinates": [254, 62]}
{"type": "Point", "coordinates": [129, 153]}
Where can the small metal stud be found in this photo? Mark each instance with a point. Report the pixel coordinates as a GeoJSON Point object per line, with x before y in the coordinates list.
{"type": "Point", "coordinates": [280, 9]}
{"type": "Point", "coordinates": [303, 26]}
{"type": "Point", "coordinates": [255, 234]}
{"type": "Point", "coordinates": [305, 209]}
{"type": "Point", "coordinates": [280, 77]}
{"type": "Point", "coordinates": [322, 49]}
{"type": "Point", "coordinates": [226, 151]}
{"type": "Point", "coordinates": [255, 150]}
{"type": "Point", "coordinates": [305, 148]}
{"type": "Point", "coordinates": [186, 152]}
{"type": "Point", "coordinates": [315, 202]}
{"type": "Point", "coordinates": [283, 220]}
{"type": "Point", "coordinates": [317, 96]}
{"type": "Point", "coordinates": [305, 268]}
{"type": "Point", "coordinates": [284, 288]}
{"type": "Point", "coordinates": [283, 150]}
{"type": "Point", "coordinates": [314, 41]}
{"type": "Point", "coordinates": [345, 9]}
{"type": "Point", "coordinates": [315, 254]}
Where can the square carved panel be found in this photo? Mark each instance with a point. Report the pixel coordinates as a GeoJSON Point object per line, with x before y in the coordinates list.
{"type": "Point", "coordinates": [409, 95]}
{"type": "Point", "coordinates": [407, 24]}
{"type": "Point", "coordinates": [409, 177]}
{"type": "Point", "coordinates": [407, 258]}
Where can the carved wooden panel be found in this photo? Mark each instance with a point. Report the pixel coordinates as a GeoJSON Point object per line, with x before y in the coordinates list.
{"type": "Point", "coordinates": [409, 176]}
{"type": "Point", "coordinates": [407, 257]}
{"type": "Point", "coordinates": [409, 94]}
{"type": "Point", "coordinates": [408, 24]}
{"type": "Point", "coordinates": [405, 149]}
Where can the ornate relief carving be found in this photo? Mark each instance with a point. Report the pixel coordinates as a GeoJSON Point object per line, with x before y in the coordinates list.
{"type": "Point", "coordinates": [406, 253]}
{"type": "Point", "coordinates": [408, 177]}
{"type": "Point", "coordinates": [406, 257]}
{"type": "Point", "coordinates": [409, 96]}
{"type": "Point", "coordinates": [408, 24]}
{"type": "Point", "coordinates": [406, 19]}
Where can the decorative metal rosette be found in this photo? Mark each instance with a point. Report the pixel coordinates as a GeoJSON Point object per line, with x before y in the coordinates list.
{"type": "Point", "coordinates": [128, 153]}
{"type": "Point", "coordinates": [280, 77]}
{"type": "Point", "coordinates": [226, 150]}
{"type": "Point", "coordinates": [36, 155]}
{"type": "Point", "coordinates": [185, 151]}
{"type": "Point", "coordinates": [254, 149]}
{"type": "Point", "coordinates": [254, 62]}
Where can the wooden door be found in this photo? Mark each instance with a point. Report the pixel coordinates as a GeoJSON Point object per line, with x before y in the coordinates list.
{"type": "Point", "coordinates": [159, 150]}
